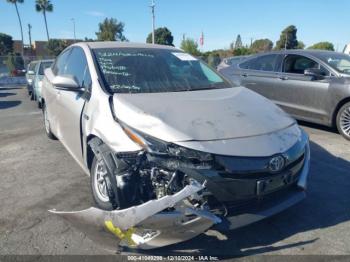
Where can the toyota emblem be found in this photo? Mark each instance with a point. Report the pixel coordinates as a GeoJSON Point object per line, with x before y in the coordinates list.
{"type": "Point", "coordinates": [277, 163]}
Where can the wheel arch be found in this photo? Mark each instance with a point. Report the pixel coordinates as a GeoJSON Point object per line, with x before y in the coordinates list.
{"type": "Point", "coordinates": [89, 152]}
{"type": "Point", "coordinates": [336, 110]}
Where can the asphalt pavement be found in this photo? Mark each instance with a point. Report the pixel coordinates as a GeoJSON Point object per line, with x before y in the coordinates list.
{"type": "Point", "coordinates": [38, 174]}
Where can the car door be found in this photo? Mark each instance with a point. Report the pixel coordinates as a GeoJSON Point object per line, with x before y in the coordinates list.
{"type": "Point", "coordinates": [71, 104]}
{"type": "Point", "coordinates": [260, 74]}
{"type": "Point", "coordinates": [51, 93]}
{"type": "Point", "coordinates": [303, 96]}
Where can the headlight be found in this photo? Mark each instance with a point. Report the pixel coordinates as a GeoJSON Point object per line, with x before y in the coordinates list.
{"type": "Point", "coordinates": [156, 146]}
{"type": "Point", "coordinates": [30, 81]}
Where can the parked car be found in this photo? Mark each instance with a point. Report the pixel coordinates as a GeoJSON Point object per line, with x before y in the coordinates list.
{"type": "Point", "coordinates": [30, 75]}
{"type": "Point", "coordinates": [38, 77]}
{"type": "Point", "coordinates": [310, 85]}
{"type": "Point", "coordinates": [226, 62]}
{"type": "Point", "coordinates": [171, 147]}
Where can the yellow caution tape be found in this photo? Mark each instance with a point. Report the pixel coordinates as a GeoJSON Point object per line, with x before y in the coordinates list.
{"type": "Point", "coordinates": [120, 234]}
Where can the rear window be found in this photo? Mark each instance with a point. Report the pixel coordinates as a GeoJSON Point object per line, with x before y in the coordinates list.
{"type": "Point", "coordinates": [43, 66]}
{"type": "Point", "coordinates": [261, 63]}
{"type": "Point", "coordinates": [148, 70]}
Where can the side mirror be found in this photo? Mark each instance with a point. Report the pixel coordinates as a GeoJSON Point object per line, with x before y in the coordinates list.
{"type": "Point", "coordinates": [315, 73]}
{"type": "Point", "coordinates": [66, 82]}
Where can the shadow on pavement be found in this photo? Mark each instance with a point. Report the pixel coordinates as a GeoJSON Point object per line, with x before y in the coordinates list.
{"type": "Point", "coordinates": [6, 94]}
{"type": "Point", "coordinates": [9, 88]}
{"type": "Point", "coordinates": [9, 104]}
{"type": "Point", "coordinates": [317, 126]}
{"type": "Point", "coordinates": [327, 205]}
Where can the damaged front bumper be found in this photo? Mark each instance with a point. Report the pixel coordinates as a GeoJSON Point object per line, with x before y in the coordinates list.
{"type": "Point", "coordinates": [172, 219]}
{"type": "Point", "coordinates": [144, 226]}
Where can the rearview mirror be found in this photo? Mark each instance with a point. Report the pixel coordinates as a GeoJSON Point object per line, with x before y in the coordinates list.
{"type": "Point", "coordinates": [315, 73]}
{"type": "Point", "coordinates": [66, 82]}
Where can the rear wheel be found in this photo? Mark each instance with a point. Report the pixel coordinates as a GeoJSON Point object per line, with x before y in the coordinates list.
{"type": "Point", "coordinates": [343, 121]}
{"type": "Point", "coordinates": [98, 185]}
{"type": "Point", "coordinates": [47, 124]}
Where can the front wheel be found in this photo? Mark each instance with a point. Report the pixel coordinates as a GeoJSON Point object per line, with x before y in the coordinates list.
{"type": "Point", "coordinates": [98, 185]}
{"type": "Point", "coordinates": [343, 121]}
{"type": "Point", "coordinates": [47, 124]}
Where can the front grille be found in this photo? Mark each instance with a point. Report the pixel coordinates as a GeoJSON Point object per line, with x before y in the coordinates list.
{"type": "Point", "coordinates": [255, 203]}
{"type": "Point", "coordinates": [293, 167]}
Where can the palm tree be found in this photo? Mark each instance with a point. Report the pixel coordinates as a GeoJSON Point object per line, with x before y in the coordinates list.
{"type": "Point", "coordinates": [44, 6]}
{"type": "Point", "coordinates": [19, 18]}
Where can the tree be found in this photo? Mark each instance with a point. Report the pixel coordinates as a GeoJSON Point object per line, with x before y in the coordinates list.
{"type": "Point", "coordinates": [190, 46]}
{"type": "Point", "coordinates": [238, 43]}
{"type": "Point", "coordinates": [241, 51]}
{"type": "Point", "coordinates": [6, 44]}
{"type": "Point", "coordinates": [261, 45]}
{"type": "Point", "coordinates": [288, 38]}
{"type": "Point", "coordinates": [56, 46]}
{"type": "Point", "coordinates": [323, 46]}
{"type": "Point", "coordinates": [111, 30]}
{"type": "Point", "coordinates": [15, 2]}
{"type": "Point", "coordinates": [14, 62]}
{"type": "Point", "coordinates": [87, 39]}
{"type": "Point", "coordinates": [44, 6]}
{"type": "Point", "coordinates": [300, 45]}
{"type": "Point", "coordinates": [214, 59]}
{"type": "Point", "coordinates": [162, 36]}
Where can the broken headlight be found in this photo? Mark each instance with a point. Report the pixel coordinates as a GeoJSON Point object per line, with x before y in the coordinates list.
{"type": "Point", "coordinates": [159, 147]}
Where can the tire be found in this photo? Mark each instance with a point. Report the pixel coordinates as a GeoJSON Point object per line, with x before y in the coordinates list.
{"type": "Point", "coordinates": [47, 125]}
{"type": "Point", "coordinates": [343, 121]}
{"type": "Point", "coordinates": [39, 105]}
{"type": "Point", "coordinates": [32, 95]}
{"type": "Point", "coordinates": [99, 195]}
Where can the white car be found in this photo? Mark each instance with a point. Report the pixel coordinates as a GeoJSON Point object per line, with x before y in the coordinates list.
{"type": "Point", "coordinates": [171, 147]}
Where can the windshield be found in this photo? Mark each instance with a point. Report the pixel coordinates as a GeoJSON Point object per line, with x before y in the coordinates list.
{"type": "Point", "coordinates": [146, 70]}
{"type": "Point", "coordinates": [340, 62]}
{"type": "Point", "coordinates": [43, 66]}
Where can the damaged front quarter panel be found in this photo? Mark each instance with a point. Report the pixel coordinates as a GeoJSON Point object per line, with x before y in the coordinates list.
{"type": "Point", "coordinates": [145, 226]}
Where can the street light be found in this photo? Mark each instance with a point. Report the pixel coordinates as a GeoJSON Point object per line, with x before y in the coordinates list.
{"type": "Point", "coordinates": [73, 20]}
{"type": "Point", "coordinates": [152, 6]}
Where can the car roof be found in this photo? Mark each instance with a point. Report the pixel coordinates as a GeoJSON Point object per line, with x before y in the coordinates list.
{"type": "Point", "coordinates": [298, 51]}
{"type": "Point", "coordinates": [116, 44]}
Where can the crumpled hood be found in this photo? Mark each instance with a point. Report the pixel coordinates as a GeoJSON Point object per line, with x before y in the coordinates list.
{"type": "Point", "coordinates": [201, 115]}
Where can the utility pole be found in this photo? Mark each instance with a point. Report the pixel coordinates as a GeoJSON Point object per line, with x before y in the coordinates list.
{"type": "Point", "coordinates": [75, 37]}
{"type": "Point", "coordinates": [152, 6]}
{"type": "Point", "coordinates": [285, 44]}
{"type": "Point", "coordinates": [30, 36]}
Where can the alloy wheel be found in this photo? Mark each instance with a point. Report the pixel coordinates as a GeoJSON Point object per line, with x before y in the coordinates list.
{"type": "Point", "coordinates": [100, 183]}
{"type": "Point", "coordinates": [345, 121]}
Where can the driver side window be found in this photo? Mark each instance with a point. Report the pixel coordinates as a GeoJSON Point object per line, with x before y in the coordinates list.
{"type": "Point", "coordinates": [297, 64]}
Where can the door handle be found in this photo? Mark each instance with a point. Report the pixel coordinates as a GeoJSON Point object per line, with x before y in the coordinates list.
{"type": "Point", "coordinates": [244, 75]}
{"type": "Point", "coordinates": [283, 77]}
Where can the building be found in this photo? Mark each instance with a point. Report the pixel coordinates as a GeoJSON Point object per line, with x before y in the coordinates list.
{"type": "Point", "coordinates": [38, 49]}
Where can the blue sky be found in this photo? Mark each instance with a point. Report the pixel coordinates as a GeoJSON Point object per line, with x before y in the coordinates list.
{"type": "Point", "coordinates": [220, 20]}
